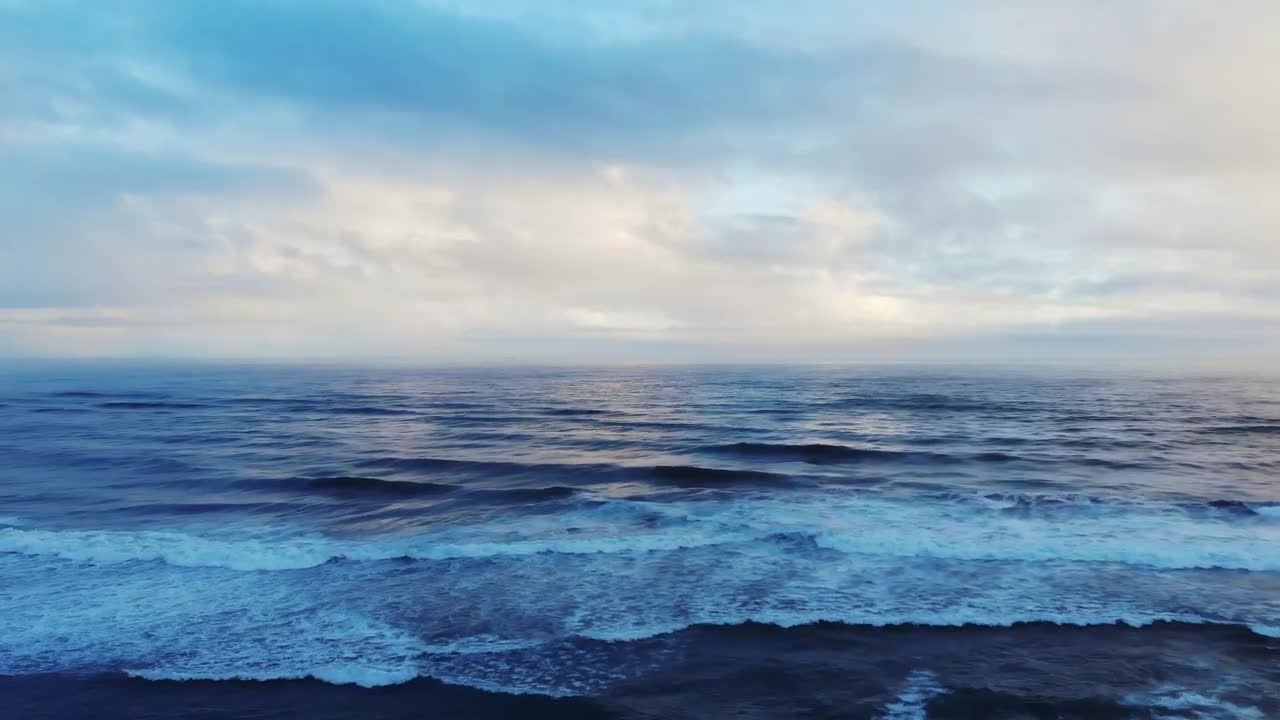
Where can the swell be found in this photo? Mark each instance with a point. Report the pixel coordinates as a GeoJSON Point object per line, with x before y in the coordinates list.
{"type": "Point", "coordinates": [1258, 429]}
{"type": "Point", "coordinates": [576, 412]}
{"type": "Point", "coordinates": [432, 464]}
{"type": "Point", "coordinates": [1233, 507]}
{"type": "Point", "coordinates": [149, 405]}
{"type": "Point", "coordinates": [835, 454]}
{"type": "Point", "coordinates": [361, 487]}
{"type": "Point", "coordinates": [1066, 502]}
{"type": "Point", "coordinates": [818, 453]}
{"type": "Point", "coordinates": [695, 476]}
{"type": "Point", "coordinates": [209, 508]}
{"type": "Point", "coordinates": [525, 495]}
{"type": "Point", "coordinates": [330, 407]}
{"type": "Point", "coordinates": [692, 476]}
{"type": "Point", "coordinates": [91, 394]}
{"type": "Point", "coordinates": [936, 402]}
{"type": "Point", "coordinates": [364, 410]}
{"type": "Point", "coordinates": [358, 485]}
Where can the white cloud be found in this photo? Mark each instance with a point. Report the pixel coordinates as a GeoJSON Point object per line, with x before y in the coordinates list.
{"type": "Point", "coordinates": [719, 184]}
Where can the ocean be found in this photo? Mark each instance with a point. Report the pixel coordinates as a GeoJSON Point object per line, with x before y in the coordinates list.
{"type": "Point", "coordinates": [862, 541]}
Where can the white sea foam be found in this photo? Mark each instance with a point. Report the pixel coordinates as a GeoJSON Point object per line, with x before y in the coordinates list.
{"type": "Point", "coordinates": [251, 630]}
{"type": "Point", "coordinates": [1001, 617]}
{"type": "Point", "coordinates": [1267, 630]}
{"type": "Point", "coordinates": [479, 645]}
{"type": "Point", "coordinates": [854, 525]}
{"type": "Point", "coordinates": [179, 549]}
{"type": "Point", "coordinates": [1157, 548]}
{"type": "Point", "coordinates": [1189, 704]}
{"type": "Point", "coordinates": [298, 553]}
{"type": "Point", "coordinates": [181, 604]}
{"type": "Point", "coordinates": [919, 687]}
{"type": "Point", "coordinates": [1268, 512]}
{"type": "Point", "coordinates": [350, 674]}
{"type": "Point", "coordinates": [328, 644]}
{"type": "Point", "coordinates": [495, 670]}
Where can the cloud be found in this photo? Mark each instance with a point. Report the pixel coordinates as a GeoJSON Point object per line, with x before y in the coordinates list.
{"type": "Point", "coordinates": [810, 180]}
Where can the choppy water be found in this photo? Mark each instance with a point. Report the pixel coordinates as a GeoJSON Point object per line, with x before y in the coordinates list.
{"type": "Point", "coordinates": [895, 542]}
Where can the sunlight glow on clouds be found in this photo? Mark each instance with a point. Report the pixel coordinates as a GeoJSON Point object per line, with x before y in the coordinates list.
{"type": "Point", "coordinates": [642, 180]}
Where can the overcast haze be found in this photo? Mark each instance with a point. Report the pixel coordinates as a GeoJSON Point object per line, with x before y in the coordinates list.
{"type": "Point", "coordinates": [764, 181]}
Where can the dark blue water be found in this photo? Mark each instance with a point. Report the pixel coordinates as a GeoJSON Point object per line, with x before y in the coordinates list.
{"type": "Point", "coordinates": [893, 542]}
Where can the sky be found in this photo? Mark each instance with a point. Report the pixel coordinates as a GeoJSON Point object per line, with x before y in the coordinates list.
{"type": "Point", "coordinates": [649, 180]}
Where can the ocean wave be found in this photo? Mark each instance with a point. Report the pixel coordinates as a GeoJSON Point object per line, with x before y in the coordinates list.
{"type": "Point", "coordinates": [1258, 429]}
{"type": "Point", "coordinates": [943, 620]}
{"type": "Point", "coordinates": [836, 454]}
{"type": "Point", "coordinates": [90, 394]}
{"type": "Point", "coordinates": [576, 412]}
{"type": "Point", "coordinates": [1109, 464]}
{"type": "Point", "coordinates": [989, 528]}
{"type": "Point", "coordinates": [695, 476]}
{"type": "Point", "coordinates": [263, 401]}
{"type": "Point", "coordinates": [1234, 507]}
{"type": "Point", "coordinates": [984, 702]}
{"type": "Point", "coordinates": [430, 464]}
{"type": "Point", "coordinates": [465, 421]}
{"type": "Point", "coordinates": [1033, 503]}
{"type": "Point", "coordinates": [378, 488]}
{"type": "Point", "coordinates": [357, 485]}
{"type": "Point", "coordinates": [365, 410]}
{"type": "Point", "coordinates": [543, 623]}
{"type": "Point", "coordinates": [997, 457]}
{"type": "Point", "coordinates": [1270, 512]}
{"type": "Point", "coordinates": [336, 674]}
{"type": "Point", "coordinates": [936, 402]}
{"type": "Point", "coordinates": [149, 405]}
{"type": "Point", "coordinates": [202, 508]}
{"type": "Point", "coordinates": [817, 453]}
{"type": "Point", "coordinates": [1185, 703]}
{"type": "Point", "coordinates": [513, 656]}
{"type": "Point", "coordinates": [111, 547]}
{"type": "Point", "coordinates": [182, 550]}
{"type": "Point", "coordinates": [1242, 554]}
{"type": "Point", "coordinates": [919, 687]}
{"type": "Point", "coordinates": [525, 495]}
{"type": "Point", "coordinates": [326, 406]}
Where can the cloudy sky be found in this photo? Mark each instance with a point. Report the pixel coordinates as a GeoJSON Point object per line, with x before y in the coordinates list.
{"type": "Point", "coordinates": [641, 180]}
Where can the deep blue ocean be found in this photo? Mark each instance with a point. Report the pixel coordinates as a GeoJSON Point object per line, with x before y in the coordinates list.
{"type": "Point", "coordinates": [208, 541]}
